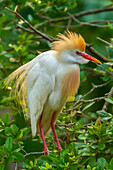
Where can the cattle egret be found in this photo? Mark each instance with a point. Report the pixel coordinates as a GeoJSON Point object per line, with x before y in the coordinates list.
{"type": "Point", "coordinates": [44, 84]}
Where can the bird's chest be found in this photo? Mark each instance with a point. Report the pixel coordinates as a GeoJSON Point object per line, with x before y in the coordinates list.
{"type": "Point", "coordinates": [66, 84]}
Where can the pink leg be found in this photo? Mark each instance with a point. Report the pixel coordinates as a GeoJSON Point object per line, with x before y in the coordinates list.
{"type": "Point", "coordinates": [46, 152]}
{"type": "Point", "coordinates": [54, 131]}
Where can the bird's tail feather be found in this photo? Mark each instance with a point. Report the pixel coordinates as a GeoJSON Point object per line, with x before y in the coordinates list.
{"type": "Point", "coordinates": [20, 83]}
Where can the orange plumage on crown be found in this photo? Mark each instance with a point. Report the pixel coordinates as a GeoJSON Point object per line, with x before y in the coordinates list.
{"type": "Point", "coordinates": [69, 41]}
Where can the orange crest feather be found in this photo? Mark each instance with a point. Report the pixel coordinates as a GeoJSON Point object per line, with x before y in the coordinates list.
{"type": "Point", "coordinates": [69, 41]}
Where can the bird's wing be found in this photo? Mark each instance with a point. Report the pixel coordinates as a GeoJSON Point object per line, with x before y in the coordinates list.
{"type": "Point", "coordinates": [40, 85]}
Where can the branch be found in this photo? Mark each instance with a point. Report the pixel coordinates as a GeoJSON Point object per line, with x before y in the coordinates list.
{"type": "Point", "coordinates": [85, 23]}
{"type": "Point", "coordinates": [25, 29]}
{"type": "Point", "coordinates": [110, 94]}
{"type": "Point", "coordinates": [95, 11]}
{"type": "Point", "coordinates": [101, 21]}
{"type": "Point", "coordinates": [94, 52]}
{"type": "Point", "coordinates": [38, 153]}
{"type": "Point", "coordinates": [94, 87]}
{"type": "Point", "coordinates": [34, 153]}
{"type": "Point", "coordinates": [85, 101]}
{"type": "Point", "coordinates": [104, 41]}
{"type": "Point", "coordinates": [32, 28]}
{"type": "Point", "coordinates": [108, 72]}
{"type": "Point", "coordinates": [78, 15]}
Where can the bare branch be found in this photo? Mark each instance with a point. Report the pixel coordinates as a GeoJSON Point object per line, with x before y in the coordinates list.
{"type": "Point", "coordinates": [101, 21]}
{"type": "Point", "coordinates": [25, 29]}
{"type": "Point", "coordinates": [95, 11]}
{"type": "Point", "coordinates": [85, 23]}
{"type": "Point", "coordinates": [108, 72]}
{"type": "Point", "coordinates": [94, 52]}
{"type": "Point", "coordinates": [78, 15]}
{"type": "Point", "coordinates": [32, 28]}
{"type": "Point", "coordinates": [103, 41]}
{"type": "Point", "coordinates": [69, 24]}
{"type": "Point", "coordinates": [34, 153]}
{"type": "Point", "coordinates": [38, 153]}
{"type": "Point", "coordinates": [110, 94]}
{"type": "Point", "coordinates": [86, 94]}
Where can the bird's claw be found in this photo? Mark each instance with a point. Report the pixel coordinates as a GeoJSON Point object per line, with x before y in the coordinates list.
{"type": "Point", "coordinates": [46, 152]}
{"type": "Point", "coordinates": [59, 150]}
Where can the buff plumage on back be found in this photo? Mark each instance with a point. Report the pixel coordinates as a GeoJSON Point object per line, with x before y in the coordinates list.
{"type": "Point", "coordinates": [69, 41]}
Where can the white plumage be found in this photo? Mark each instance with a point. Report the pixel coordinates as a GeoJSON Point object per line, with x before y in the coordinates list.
{"type": "Point", "coordinates": [45, 89]}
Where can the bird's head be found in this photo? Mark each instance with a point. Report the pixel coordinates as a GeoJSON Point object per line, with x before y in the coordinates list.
{"type": "Point", "coordinates": [71, 49]}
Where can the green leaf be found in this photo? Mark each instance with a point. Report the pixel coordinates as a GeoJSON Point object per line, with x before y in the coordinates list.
{"type": "Point", "coordinates": [6, 118]}
{"type": "Point", "coordinates": [20, 134]}
{"type": "Point", "coordinates": [101, 146]}
{"type": "Point", "coordinates": [111, 163]}
{"type": "Point", "coordinates": [2, 166]}
{"type": "Point", "coordinates": [1, 48]}
{"type": "Point", "coordinates": [11, 158]}
{"type": "Point", "coordinates": [14, 129]}
{"type": "Point", "coordinates": [18, 156]}
{"type": "Point", "coordinates": [103, 113]}
{"type": "Point", "coordinates": [94, 168]}
{"type": "Point", "coordinates": [110, 26]}
{"type": "Point", "coordinates": [26, 131]}
{"type": "Point", "coordinates": [110, 50]}
{"type": "Point", "coordinates": [8, 143]}
{"type": "Point", "coordinates": [7, 99]}
{"type": "Point", "coordinates": [8, 131]}
{"type": "Point", "coordinates": [111, 151]}
{"type": "Point", "coordinates": [89, 105]}
{"type": "Point", "coordinates": [88, 167]}
{"type": "Point", "coordinates": [92, 161]}
{"type": "Point", "coordinates": [101, 162]}
{"type": "Point", "coordinates": [83, 136]}
{"type": "Point", "coordinates": [109, 100]}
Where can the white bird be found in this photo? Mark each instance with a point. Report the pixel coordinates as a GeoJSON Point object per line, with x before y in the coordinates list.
{"type": "Point", "coordinates": [44, 84]}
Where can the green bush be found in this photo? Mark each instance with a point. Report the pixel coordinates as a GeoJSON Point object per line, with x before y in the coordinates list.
{"type": "Point", "coordinates": [85, 127]}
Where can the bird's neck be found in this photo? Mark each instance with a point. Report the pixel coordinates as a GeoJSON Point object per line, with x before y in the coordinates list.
{"type": "Point", "coordinates": [66, 57]}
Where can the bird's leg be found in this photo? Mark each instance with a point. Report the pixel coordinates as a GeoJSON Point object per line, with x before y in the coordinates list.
{"type": "Point", "coordinates": [46, 151]}
{"type": "Point", "coordinates": [54, 131]}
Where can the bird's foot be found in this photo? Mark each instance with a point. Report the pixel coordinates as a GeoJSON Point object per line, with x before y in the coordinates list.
{"type": "Point", "coordinates": [46, 152]}
{"type": "Point", "coordinates": [59, 149]}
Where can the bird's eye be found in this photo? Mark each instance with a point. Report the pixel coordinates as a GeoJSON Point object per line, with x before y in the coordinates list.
{"type": "Point", "coordinates": [77, 52]}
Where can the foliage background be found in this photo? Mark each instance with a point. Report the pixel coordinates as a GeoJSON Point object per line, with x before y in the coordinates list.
{"type": "Point", "coordinates": [85, 128]}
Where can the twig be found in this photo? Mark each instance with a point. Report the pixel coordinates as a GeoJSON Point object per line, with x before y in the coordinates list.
{"type": "Point", "coordinates": [72, 124]}
{"type": "Point", "coordinates": [85, 101]}
{"type": "Point", "coordinates": [73, 17]}
{"type": "Point", "coordinates": [34, 153]}
{"type": "Point", "coordinates": [101, 21]}
{"type": "Point", "coordinates": [85, 23]}
{"type": "Point", "coordinates": [79, 25]}
{"type": "Point", "coordinates": [38, 153]}
{"type": "Point", "coordinates": [25, 29]}
{"type": "Point", "coordinates": [69, 24]}
{"type": "Point", "coordinates": [103, 41]}
{"type": "Point", "coordinates": [80, 14]}
{"type": "Point", "coordinates": [110, 94]}
{"type": "Point", "coordinates": [92, 100]}
{"type": "Point", "coordinates": [95, 11]}
{"type": "Point", "coordinates": [94, 52]}
{"type": "Point", "coordinates": [86, 94]}
{"type": "Point", "coordinates": [108, 72]}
